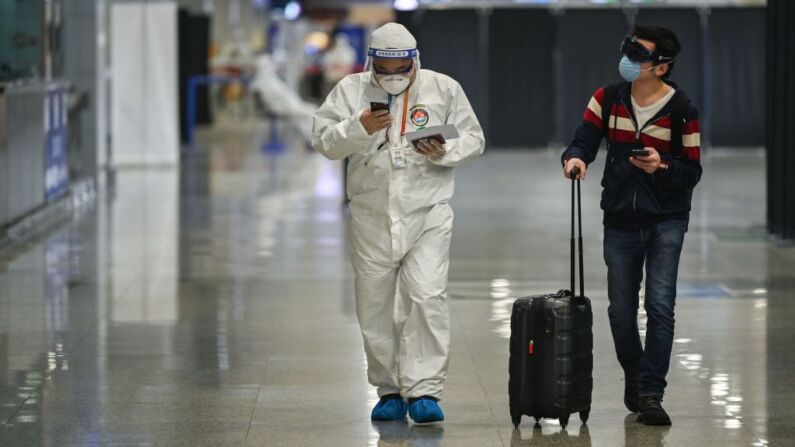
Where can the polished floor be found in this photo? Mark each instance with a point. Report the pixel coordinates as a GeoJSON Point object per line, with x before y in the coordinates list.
{"type": "Point", "coordinates": [214, 306]}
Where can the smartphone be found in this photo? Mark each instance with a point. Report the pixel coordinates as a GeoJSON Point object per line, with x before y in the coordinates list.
{"type": "Point", "coordinates": [376, 106]}
{"type": "Point", "coordinates": [639, 153]}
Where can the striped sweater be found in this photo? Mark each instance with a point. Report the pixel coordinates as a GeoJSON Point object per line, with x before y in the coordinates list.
{"type": "Point", "coordinates": [632, 199]}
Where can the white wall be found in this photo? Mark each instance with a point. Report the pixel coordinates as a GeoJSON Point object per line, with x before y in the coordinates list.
{"type": "Point", "coordinates": [144, 84]}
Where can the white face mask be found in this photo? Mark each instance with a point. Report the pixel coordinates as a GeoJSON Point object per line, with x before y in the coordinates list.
{"type": "Point", "coordinates": [395, 84]}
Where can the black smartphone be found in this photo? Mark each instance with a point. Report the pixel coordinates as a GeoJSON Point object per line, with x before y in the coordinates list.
{"type": "Point", "coordinates": [376, 106]}
{"type": "Point", "coordinates": [639, 153]}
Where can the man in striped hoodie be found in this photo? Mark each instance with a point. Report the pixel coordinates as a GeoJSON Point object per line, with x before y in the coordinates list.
{"type": "Point", "coordinates": [653, 152]}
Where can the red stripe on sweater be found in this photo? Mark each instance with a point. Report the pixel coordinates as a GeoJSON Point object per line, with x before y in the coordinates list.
{"type": "Point", "coordinates": [599, 95]}
{"type": "Point", "coordinates": [691, 153]}
{"type": "Point", "coordinates": [622, 136]}
{"type": "Point", "coordinates": [592, 118]}
{"type": "Point", "coordinates": [691, 127]}
{"type": "Point", "coordinates": [656, 143]}
{"type": "Point", "coordinates": [688, 152]}
{"type": "Point", "coordinates": [663, 122]}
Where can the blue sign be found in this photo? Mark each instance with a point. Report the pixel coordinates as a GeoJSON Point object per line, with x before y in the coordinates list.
{"type": "Point", "coordinates": [356, 38]}
{"type": "Point", "coordinates": [56, 173]}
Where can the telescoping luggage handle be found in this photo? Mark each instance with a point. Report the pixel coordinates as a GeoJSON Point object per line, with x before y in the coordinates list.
{"type": "Point", "coordinates": [574, 173]}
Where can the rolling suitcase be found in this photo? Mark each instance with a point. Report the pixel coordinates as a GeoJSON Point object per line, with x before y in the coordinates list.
{"type": "Point", "coordinates": [551, 349]}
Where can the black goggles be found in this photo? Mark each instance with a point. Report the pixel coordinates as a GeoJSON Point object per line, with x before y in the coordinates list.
{"type": "Point", "coordinates": [638, 53]}
{"type": "Point", "coordinates": [386, 73]}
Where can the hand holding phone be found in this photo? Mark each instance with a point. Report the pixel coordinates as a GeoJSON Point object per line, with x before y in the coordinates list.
{"type": "Point", "coordinates": [376, 106]}
{"type": "Point", "coordinates": [376, 120]}
{"type": "Point", "coordinates": [646, 159]}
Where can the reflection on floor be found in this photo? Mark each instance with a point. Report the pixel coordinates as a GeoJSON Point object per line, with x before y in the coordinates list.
{"type": "Point", "coordinates": [213, 306]}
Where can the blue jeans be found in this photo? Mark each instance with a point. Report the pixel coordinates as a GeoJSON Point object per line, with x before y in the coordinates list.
{"type": "Point", "coordinates": [625, 253]}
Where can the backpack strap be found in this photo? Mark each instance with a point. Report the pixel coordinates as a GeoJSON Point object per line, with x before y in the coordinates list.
{"type": "Point", "coordinates": [678, 109]}
{"type": "Point", "coordinates": [609, 99]}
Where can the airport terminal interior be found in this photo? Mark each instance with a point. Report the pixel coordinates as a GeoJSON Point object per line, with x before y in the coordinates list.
{"type": "Point", "coordinates": [175, 250]}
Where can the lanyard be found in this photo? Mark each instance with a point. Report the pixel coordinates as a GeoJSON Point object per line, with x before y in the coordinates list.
{"type": "Point", "coordinates": [405, 112]}
{"type": "Point", "coordinates": [403, 123]}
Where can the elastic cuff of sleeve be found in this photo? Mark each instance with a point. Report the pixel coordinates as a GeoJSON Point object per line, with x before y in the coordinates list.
{"type": "Point", "coordinates": [357, 128]}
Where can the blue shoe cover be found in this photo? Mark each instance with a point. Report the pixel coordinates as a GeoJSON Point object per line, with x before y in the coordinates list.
{"type": "Point", "coordinates": [389, 408]}
{"type": "Point", "coordinates": [425, 410]}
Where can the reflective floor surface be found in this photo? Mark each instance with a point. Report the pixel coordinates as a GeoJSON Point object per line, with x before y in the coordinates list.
{"type": "Point", "coordinates": [214, 306]}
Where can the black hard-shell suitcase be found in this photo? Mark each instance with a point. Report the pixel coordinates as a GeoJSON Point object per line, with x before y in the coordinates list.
{"type": "Point", "coordinates": [551, 351]}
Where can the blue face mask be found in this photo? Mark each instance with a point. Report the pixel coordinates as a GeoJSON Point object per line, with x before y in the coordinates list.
{"type": "Point", "coordinates": [628, 69]}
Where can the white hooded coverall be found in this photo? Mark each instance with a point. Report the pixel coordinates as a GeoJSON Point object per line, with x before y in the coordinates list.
{"type": "Point", "coordinates": [400, 224]}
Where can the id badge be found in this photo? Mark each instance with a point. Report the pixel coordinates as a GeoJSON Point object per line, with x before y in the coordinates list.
{"type": "Point", "coordinates": [398, 156]}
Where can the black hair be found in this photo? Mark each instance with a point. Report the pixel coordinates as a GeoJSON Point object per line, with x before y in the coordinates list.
{"type": "Point", "coordinates": [665, 42]}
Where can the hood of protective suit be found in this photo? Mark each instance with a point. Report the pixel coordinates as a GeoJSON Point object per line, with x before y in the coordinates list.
{"type": "Point", "coordinates": [393, 41]}
{"type": "Point", "coordinates": [392, 36]}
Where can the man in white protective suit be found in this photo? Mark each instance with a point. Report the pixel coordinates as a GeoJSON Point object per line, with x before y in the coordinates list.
{"type": "Point", "coordinates": [279, 98]}
{"type": "Point", "coordinates": [400, 215]}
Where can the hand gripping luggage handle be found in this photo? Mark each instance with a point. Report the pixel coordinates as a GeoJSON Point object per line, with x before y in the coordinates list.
{"type": "Point", "coordinates": [574, 174]}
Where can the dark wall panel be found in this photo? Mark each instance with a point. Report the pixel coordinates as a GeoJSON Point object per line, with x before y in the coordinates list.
{"type": "Point", "coordinates": [521, 96]}
{"type": "Point", "coordinates": [194, 43]}
{"type": "Point", "coordinates": [450, 42]}
{"type": "Point", "coordinates": [737, 75]}
{"type": "Point", "coordinates": [780, 133]}
{"type": "Point", "coordinates": [589, 42]}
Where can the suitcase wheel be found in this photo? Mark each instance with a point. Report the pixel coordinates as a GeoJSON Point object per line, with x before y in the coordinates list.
{"type": "Point", "coordinates": [564, 421]}
{"type": "Point", "coordinates": [584, 416]}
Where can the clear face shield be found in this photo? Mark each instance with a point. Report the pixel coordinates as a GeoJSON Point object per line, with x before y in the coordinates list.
{"type": "Point", "coordinates": [393, 81]}
{"type": "Point", "coordinates": [375, 53]}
